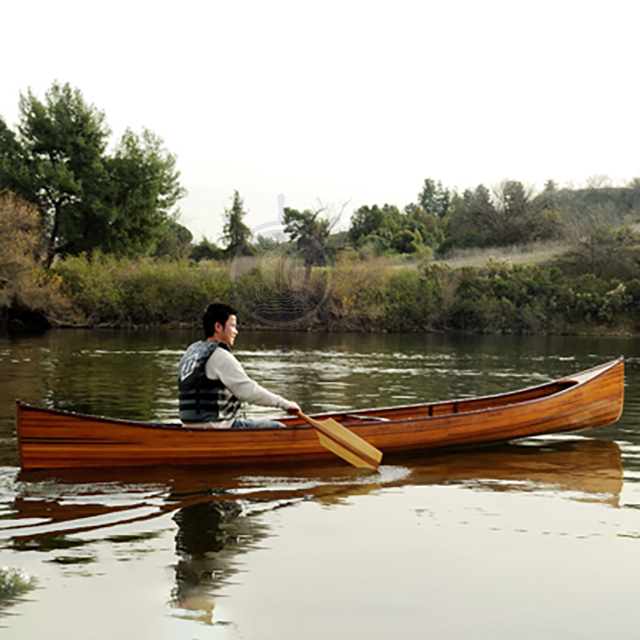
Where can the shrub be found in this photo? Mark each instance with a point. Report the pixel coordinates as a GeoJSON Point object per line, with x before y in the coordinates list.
{"type": "Point", "coordinates": [357, 302]}
{"type": "Point", "coordinates": [14, 582]}
{"type": "Point", "coordinates": [409, 298]}
{"type": "Point", "coordinates": [133, 291]}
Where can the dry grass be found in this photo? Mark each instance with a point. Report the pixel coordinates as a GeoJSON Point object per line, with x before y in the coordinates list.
{"type": "Point", "coordinates": [532, 254]}
{"type": "Point", "coordinates": [24, 287]}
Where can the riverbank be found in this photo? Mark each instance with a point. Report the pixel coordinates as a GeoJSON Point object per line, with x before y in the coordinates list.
{"type": "Point", "coordinates": [354, 295]}
{"type": "Point", "coordinates": [374, 295]}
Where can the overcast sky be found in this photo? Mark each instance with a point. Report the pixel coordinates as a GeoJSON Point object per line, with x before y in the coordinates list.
{"type": "Point", "coordinates": [354, 102]}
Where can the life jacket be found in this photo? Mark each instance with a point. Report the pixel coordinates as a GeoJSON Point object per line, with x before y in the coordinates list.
{"type": "Point", "coordinates": [201, 399]}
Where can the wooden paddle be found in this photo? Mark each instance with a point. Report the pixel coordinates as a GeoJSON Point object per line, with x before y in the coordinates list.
{"type": "Point", "coordinates": [344, 443]}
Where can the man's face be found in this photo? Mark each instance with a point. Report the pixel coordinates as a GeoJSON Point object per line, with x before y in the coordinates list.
{"type": "Point", "coordinates": [229, 332]}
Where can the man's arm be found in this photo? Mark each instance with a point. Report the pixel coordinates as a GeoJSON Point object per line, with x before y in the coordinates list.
{"type": "Point", "coordinates": [224, 366]}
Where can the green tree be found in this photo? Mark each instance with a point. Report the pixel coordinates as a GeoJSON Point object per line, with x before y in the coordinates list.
{"type": "Point", "coordinates": [205, 250]}
{"type": "Point", "coordinates": [57, 162]}
{"type": "Point", "coordinates": [428, 225]}
{"type": "Point", "coordinates": [387, 229]}
{"type": "Point", "coordinates": [12, 166]}
{"type": "Point", "coordinates": [406, 241]}
{"type": "Point", "coordinates": [236, 235]}
{"type": "Point", "coordinates": [144, 190]}
{"type": "Point", "coordinates": [365, 221]}
{"type": "Point", "coordinates": [175, 241]}
{"type": "Point", "coordinates": [86, 198]}
{"type": "Point", "coordinates": [434, 198]}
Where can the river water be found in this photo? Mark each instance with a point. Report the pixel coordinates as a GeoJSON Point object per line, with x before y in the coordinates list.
{"type": "Point", "coordinates": [539, 538]}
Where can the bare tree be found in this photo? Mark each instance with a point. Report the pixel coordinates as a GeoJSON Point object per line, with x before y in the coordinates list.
{"type": "Point", "coordinates": [310, 231]}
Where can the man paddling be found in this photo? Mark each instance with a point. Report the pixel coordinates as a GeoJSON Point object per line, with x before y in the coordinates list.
{"type": "Point", "coordinates": [212, 383]}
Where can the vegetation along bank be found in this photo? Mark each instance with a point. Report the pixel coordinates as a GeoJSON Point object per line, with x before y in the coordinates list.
{"type": "Point", "coordinates": [92, 237]}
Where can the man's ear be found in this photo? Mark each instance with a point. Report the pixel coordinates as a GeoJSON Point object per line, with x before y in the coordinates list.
{"type": "Point", "coordinates": [218, 328]}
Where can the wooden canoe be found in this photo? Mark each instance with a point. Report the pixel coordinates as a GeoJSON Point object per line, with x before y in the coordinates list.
{"type": "Point", "coordinates": [54, 439]}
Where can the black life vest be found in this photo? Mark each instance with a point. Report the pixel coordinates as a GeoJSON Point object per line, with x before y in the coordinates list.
{"type": "Point", "coordinates": [201, 399]}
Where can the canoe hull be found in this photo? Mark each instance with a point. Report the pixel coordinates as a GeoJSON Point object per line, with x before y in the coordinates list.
{"type": "Point", "coordinates": [50, 439]}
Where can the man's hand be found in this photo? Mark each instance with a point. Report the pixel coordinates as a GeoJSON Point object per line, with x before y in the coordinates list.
{"type": "Point", "coordinates": [293, 409]}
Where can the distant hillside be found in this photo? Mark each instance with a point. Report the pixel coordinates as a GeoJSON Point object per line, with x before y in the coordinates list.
{"type": "Point", "coordinates": [584, 209]}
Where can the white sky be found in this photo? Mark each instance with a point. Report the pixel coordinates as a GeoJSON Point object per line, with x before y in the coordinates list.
{"type": "Point", "coordinates": [344, 101]}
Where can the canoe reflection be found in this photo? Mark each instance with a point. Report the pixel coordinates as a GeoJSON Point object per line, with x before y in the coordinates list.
{"type": "Point", "coordinates": [72, 501]}
{"type": "Point", "coordinates": [215, 511]}
{"type": "Point", "coordinates": [589, 466]}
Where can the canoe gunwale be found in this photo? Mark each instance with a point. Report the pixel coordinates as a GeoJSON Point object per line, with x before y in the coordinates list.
{"type": "Point", "coordinates": [571, 382]}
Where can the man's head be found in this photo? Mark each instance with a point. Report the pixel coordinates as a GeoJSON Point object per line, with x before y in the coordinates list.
{"type": "Point", "coordinates": [219, 322]}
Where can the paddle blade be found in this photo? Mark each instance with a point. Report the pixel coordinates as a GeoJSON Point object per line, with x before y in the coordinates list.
{"type": "Point", "coordinates": [350, 447]}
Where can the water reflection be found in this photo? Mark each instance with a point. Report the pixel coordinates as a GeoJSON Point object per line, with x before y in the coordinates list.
{"type": "Point", "coordinates": [78, 500]}
{"type": "Point", "coordinates": [60, 515]}
{"type": "Point", "coordinates": [589, 469]}
{"type": "Point", "coordinates": [210, 535]}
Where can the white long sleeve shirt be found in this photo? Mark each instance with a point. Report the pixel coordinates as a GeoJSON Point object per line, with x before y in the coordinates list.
{"type": "Point", "coordinates": [224, 366]}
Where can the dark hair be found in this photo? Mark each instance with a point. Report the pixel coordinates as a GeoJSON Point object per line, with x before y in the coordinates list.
{"type": "Point", "coordinates": [214, 313]}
